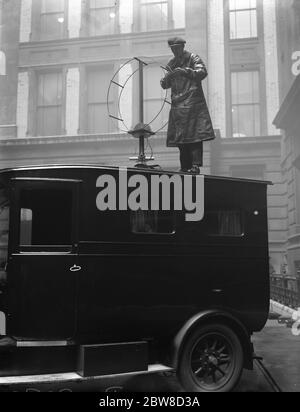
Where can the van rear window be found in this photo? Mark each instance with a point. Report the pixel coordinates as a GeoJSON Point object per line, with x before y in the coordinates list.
{"type": "Point", "coordinates": [225, 223]}
{"type": "Point", "coordinates": [153, 222]}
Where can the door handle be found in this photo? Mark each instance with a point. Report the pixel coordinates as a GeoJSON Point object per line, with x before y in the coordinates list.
{"type": "Point", "coordinates": [75, 268]}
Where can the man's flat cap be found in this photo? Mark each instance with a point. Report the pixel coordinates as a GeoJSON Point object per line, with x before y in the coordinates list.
{"type": "Point", "coordinates": [176, 41]}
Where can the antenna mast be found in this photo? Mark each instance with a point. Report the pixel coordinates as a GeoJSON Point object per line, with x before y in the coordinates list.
{"type": "Point", "coordinates": [141, 131]}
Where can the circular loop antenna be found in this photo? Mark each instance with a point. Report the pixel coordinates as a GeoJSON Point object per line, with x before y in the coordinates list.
{"type": "Point", "coordinates": [118, 117]}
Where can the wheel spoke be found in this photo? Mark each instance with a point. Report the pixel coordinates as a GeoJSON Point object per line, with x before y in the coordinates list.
{"type": "Point", "coordinates": [215, 345]}
{"type": "Point", "coordinates": [214, 376]}
{"type": "Point", "coordinates": [220, 370]}
{"type": "Point", "coordinates": [224, 361]}
{"type": "Point", "coordinates": [222, 349]}
{"type": "Point", "coordinates": [199, 370]}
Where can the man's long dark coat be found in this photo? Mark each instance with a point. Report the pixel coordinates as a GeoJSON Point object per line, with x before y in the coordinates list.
{"type": "Point", "coordinates": [189, 120]}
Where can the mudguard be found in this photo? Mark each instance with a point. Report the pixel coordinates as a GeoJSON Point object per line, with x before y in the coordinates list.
{"type": "Point", "coordinates": [212, 316]}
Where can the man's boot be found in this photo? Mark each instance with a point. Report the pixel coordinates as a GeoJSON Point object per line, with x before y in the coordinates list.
{"type": "Point", "coordinates": [195, 170]}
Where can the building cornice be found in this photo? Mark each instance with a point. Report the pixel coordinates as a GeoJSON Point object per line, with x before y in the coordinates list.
{"type": "Point", "coordinates": [104, 40]}
{"type": "Point", "coordinates": [115, 137]}
{"type": "Point", "coordinates": [85, 138]}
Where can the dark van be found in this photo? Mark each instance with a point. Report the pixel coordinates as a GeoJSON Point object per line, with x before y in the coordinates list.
{"type": "Point", "coordinates": [93, 292]}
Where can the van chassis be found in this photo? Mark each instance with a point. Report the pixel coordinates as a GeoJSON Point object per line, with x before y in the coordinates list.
{"type": "Point", "coordinates": [71, 362]}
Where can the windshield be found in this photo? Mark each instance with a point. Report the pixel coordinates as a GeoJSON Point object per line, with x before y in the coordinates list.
{"type": "Point", "coordinates": [4, 227]}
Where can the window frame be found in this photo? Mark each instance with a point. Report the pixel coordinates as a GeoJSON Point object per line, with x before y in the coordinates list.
{"type": "Point", "coordinates": [246, 104]}
{"type": "Point", "coordinates": [243, 225]}
{"type": "Point", "coordinates": [36, 31]}
{"type": "Point", "coordinates": [252, 63]}
{"type": "Point", "coordinates": [174, 222]}
{"type": "Point", "coordinates": [83, 116]}
{"type": "Point", "coordinates": [257, 22]}
{"type": "Point", "coordinates": [33, 99]}
{"type": "Point", "coordinates": [166, 94]}
{"type": "Point", "coordinates": [137, 19]}
{"type": "Point", "coordinates": [19, 184]}
{"type": "Point", "coordinates": [85, 13]}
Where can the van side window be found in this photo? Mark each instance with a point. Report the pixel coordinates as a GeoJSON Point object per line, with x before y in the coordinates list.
{"type": "Point", "coordinates": [225, 223]}
{"type": "Point", "coordinates": [45, 217]}
{"type": "Point", "coordinates": [26, 227]}
{"type": "Point", "coordinates": [4, 228]}
{"type": "Point", "coordinates": [153, 222]}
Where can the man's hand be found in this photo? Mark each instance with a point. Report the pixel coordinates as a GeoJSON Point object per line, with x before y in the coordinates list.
{"type": "Point", "coordinates": [180, 71]}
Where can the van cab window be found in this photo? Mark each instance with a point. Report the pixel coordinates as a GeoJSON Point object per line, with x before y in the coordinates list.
{"type": "Point", "coordinates": [153, 222]}
{"type": "Point", "coordinates": [45, 217]}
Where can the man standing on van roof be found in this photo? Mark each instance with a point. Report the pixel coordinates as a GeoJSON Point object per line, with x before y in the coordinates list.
{"type": "Point", "coordinates": [189, 122]}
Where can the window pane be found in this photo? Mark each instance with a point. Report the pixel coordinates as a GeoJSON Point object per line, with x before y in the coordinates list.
{"type": "Point", "coordinates": [49, 121]}
{"type": "Point", "coordinates": [26, 227]}
{"type": "Point", "coordinates": [98, 81]}
{"type": "Point", "coordinates": [243, 19]}
{"type": "Point", "coordinates": [246, 120]}
{"type": "Point", "coordinates": [98, 121]}
{"type": "Point", "coordinates": [46, 217]}
{"type": "Point", "coordinates": [242, 4]}
{"type": "Point", "coordinates": [50, 89]}
{"type": "Point", "coordinates": [49, 104]}
{"type": "Point", "coordinates": [152, 222]}
{"type": "Point", "coordinates": [154, 17]}
{"type": "Point", "coordinates": [52, 20]}
{"type": "Point", "coordinates": [246, 104]}
{"type": "Point", "coordinates": [245, 87]}
{"type": "Point", "coordinates": [50, 6]}
{"type": "Point", "coordinates": [243, 24]}
{"type": "Point", "coordinates": [154, 98]}
{"type": "Point", "coordinates": [96, 4]}
{"type": "Point", "coordinates": [178, 14]}
{"type": "Point", "coordinates": [101, 23]}
{"type": "Point", "coordinates": [51, 28]}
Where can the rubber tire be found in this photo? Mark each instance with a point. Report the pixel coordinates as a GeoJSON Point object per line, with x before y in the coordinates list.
{"type": "Point", "coordinates": [184, 372]}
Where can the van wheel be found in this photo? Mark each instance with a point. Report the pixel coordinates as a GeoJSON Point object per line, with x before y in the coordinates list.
{"type": "Point", "coordinates": [212, 360]}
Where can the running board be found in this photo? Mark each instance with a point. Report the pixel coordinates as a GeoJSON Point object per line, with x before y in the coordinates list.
{"type": "Point", "coordinates": [75, 377]}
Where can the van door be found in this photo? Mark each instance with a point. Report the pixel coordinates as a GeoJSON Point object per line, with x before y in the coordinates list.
{"type": "Point", "coordinates": [42, 270]}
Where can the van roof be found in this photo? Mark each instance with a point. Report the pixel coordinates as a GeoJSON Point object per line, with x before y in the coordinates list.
{"type": "Point", "coordinates": [114, 168]}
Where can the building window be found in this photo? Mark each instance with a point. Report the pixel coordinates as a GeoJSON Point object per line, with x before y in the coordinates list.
{"type": "Point", "coordinates": [154, 15]}
{"type": "Point", "coordinates": [53, 19]}
{"type": "Point", "coordinates": [156, 111]}
{"type": "Point", "coordinates": [98, 80]}
{"type": "Point", "coordinates": [243, 19]}
{"type": "Point", "coordinates": [245, 104]}
{"type": "Point", "coordinates": [102, 17]}
{"type": "Point", "coordinates": [50, 104]}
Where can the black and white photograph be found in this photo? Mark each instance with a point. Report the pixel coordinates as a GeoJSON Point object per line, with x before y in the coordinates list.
{"type": "Point", "coordinates": [149, 198]}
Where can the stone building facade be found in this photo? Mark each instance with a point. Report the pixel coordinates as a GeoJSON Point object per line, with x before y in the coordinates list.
{"type": "Point", "coordinates": [61, 56]}
{"type": "Point", "coordinates": [287, 120]}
